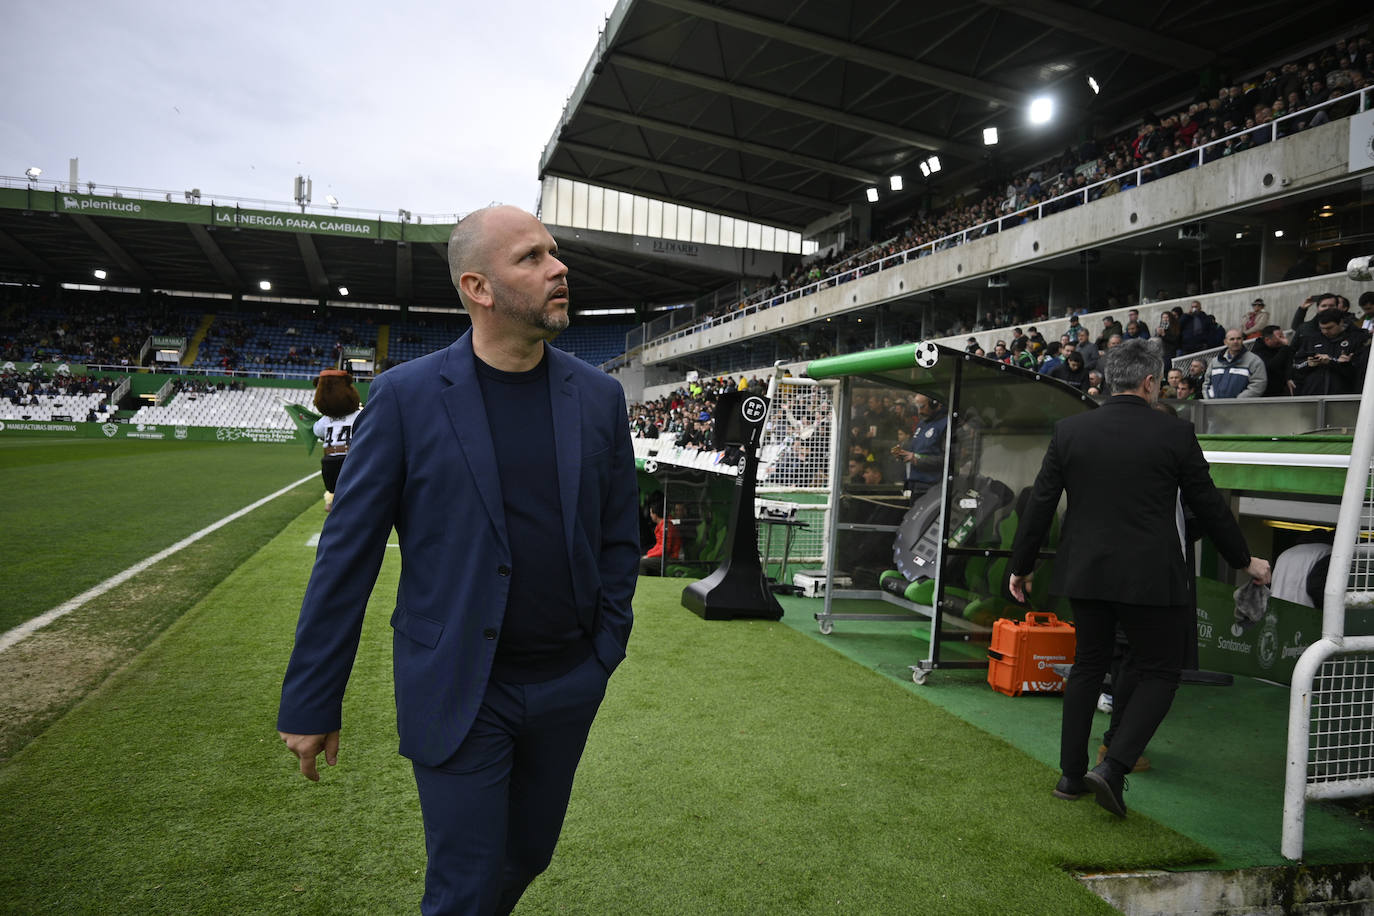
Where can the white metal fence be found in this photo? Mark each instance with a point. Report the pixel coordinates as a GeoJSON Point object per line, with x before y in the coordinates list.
{"type": "Point", "coordinates": [1331, 704]}
{"type": "Point", "coordinates": [797, 457]}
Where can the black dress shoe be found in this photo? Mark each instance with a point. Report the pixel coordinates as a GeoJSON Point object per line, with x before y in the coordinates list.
{"type": "Point", "coordinates": [1070, 788]}
{"type": "Point", "coordinates": [1107, 786]}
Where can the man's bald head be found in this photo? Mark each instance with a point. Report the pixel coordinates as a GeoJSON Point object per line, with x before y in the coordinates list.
{"type": "Point", "coordinates": [467, 250]}
{"type": "Point", "coordinates": [469, 244]}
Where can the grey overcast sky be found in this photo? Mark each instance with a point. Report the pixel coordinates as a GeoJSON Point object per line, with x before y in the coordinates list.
{"type": "Point", "coordinates": [437, 107]}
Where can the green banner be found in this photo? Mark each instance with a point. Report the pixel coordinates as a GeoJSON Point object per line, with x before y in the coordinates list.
{"type": "Point", "coordinates": [222, 216]}
{"type": "Point", "coordinates": [1267, 648]}
{"type": "Point", "coordinates": [148, 431]}
{"type": "Point", "coordinates": [170, 342]}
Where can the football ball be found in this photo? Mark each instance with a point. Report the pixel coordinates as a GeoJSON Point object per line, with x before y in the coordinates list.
{"type": "Point", "coordinates": [927, 354]}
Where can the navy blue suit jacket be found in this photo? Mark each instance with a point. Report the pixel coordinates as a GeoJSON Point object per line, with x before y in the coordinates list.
{"type": "Point", "coordinates": [422, 460]}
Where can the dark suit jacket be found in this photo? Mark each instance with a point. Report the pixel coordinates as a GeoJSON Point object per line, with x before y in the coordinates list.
{"type": "Point", "coordinates": [1125, 548]}
{"type": "Point", "coordinates": [422, 460]}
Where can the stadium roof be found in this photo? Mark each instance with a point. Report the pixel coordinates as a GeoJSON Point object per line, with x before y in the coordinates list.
{"type": "Point", "coordinates": [780, 112]}
{"type": "Point", "coordinates": [785, 111]}
{"type": "Point", "coordinates": [149, 241]}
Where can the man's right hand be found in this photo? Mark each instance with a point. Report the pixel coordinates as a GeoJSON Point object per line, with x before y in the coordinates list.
{"type": "Point", "coordinates": [308, 747]}
{"type": "Point", "coordinates": [1258, 570]}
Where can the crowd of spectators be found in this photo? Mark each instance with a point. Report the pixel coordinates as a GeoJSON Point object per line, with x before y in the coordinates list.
{"type": "Point", "coordinates": [1231, 119]}
{"type": "Point", "coordinates": [244, 343]}
{"type": "Point", "coordinates": [1323, 351]}
{"type": "Point", "coordinates": [194, 387]}
{"type": "Point", "coordinates": [684, 416]}
{"type": "Point", "coordinates": [31, 388]}
{"type": "Point", "coordinates": [106, 329]}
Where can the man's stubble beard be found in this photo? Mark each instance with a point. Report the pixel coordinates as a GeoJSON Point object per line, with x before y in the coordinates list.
{"type": "Point", "coordinates": [527, 312]}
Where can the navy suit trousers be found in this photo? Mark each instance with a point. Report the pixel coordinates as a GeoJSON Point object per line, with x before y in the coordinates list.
{"type": "Point", "coordinates": [493, 811]}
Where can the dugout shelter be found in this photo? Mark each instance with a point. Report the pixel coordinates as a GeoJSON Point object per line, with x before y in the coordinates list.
{"type": "Point", "coordinates": [943, 558]}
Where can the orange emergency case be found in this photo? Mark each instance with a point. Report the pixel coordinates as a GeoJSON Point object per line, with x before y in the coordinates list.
{"type": "Point", "coordinates": [1022, 652]}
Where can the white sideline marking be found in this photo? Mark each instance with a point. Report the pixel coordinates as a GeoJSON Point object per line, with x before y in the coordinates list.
{"type": "Point", "coordinates": [314, 541]}
{"type": "Point", "coordinates": [29, 627]}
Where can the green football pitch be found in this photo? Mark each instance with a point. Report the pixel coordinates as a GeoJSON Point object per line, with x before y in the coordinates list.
{"type": "Point", "coordinates": [735, 768]}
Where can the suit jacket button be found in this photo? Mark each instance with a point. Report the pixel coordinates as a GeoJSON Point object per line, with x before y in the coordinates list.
{"type": "Point", "coordinates": [489, 633]}
{"type": "Point", "coordinates": [503, 570]}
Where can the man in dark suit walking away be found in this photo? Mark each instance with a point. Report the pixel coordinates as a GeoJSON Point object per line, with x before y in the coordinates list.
{"type": "Point", "coordinates": [1123, 561]}
{"type": "Point", "coordinates": [506, 467]}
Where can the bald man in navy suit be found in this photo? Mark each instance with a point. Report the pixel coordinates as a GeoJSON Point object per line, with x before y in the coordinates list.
{"type": "Point", "coordinates": [506, 468]}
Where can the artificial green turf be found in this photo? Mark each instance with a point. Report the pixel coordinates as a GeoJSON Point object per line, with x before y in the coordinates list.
{"type": "Point", "coordinates": [79, 511]}
{"type": "Point", "coordinates": [735, 768]}
{"type": "Point", "coordinates": [1217, 761]}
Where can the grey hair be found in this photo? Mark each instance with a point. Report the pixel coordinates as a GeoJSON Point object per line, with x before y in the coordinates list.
{"type": "Point", "coordinates": [1130, 363]}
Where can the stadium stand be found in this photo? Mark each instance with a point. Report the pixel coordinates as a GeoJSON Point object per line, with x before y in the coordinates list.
{"type": "Point", "coordinates": [51, 407]}
{"type": "Point", "coordinates": [280, 343]}
{"type": "Point", "coordinates": [409, 339]}
{"type": "Point", "coordinates": [104, 328]}
{"type": "Point", "coordinates": [1266, 105]}
{"type": "Point", "coordinates": [219, 406]}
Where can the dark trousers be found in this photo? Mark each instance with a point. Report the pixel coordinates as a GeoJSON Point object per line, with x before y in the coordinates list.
{"type": "Point", "coordinates": [493, 811]}
{"type": "Point", "coordinates": [330, 466]}
{"type": "Point", "coordinates": [1158, 638]}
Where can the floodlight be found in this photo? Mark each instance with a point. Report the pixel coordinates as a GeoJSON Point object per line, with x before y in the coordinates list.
{"type": "Point", "coordinates": [33, 172]}
{"type": "Point", "coordinates": [343, 290]}
{"type": "Point", "coordinates": [925, 169]}
{"type": "Point", "coordinates": [100, 273]}
{"type": "Point", "coordinates": [1041, 109]}
{"type": "Point", "coordinates": [1092, 84]}
{"type": "Point", "coordinates": [1240, 235]}
{"type": "Point", "coordinates": [989, 136]}
{"type": "Point", "coordinates": [934, 162]}
{"type": "Point", "coordinates": [895, 182]}
{"type": "Point", "coordinates": [872, 195]}
{"type": "Point", "coordinates": [1278, 233]}
{"type": "Point", "coordinates": [264, 285]}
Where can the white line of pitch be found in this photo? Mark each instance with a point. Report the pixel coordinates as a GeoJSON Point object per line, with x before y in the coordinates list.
{"type": "Point", "coordinates": [29, 627]}
{"type": "Point", "coordinates": [314, 541]}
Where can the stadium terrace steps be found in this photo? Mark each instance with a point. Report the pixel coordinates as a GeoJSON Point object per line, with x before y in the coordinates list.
{"type": "Point", "coordinates": [383, 342]}
{"type": "Point", "coordinates": [193, 347]}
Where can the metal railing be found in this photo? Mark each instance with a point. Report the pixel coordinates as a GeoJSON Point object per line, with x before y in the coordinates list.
{"type": "Point", "coordinates": [214, 372]}
{"type": "Point", "coordinates": [1132, 178]}
{"type": "Point", "coordinates": [1331, 701]}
